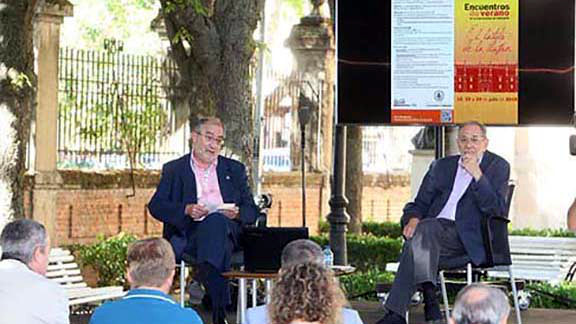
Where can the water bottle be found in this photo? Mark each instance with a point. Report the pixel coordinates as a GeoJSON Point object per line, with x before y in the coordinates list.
{"type": "Point", "coordinates": [328, 256]}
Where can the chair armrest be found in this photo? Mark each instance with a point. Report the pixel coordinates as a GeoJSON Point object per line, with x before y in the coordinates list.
{"type": "Point", "coordinates": [496, 245]}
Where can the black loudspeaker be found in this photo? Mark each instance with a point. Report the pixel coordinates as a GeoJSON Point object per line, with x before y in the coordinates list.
{"type": "Point", "coordinates": [572, 144]}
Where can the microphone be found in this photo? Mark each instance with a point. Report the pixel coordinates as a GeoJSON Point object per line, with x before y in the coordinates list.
{"type": "Point", "coordinates": [572, 144]}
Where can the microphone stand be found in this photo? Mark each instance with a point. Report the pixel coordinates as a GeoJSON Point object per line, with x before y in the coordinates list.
{"type": "Point", "coordinates": [304, 115]}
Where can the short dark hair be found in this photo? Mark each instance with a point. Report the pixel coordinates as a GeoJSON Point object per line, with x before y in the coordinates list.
{"type": "Point", "coordinates": [300, 251]}
{"type": "Point", "coordinates": [20, 238]}
{"type": "Point", "coordinates": [150, 262]}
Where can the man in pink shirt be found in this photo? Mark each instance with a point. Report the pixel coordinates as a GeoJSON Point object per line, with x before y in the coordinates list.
{"type": "Point", "coordinates": [204, 200]}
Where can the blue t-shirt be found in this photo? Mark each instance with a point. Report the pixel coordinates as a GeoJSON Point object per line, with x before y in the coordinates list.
{"type": "Point", "coordinates": [144, 306]}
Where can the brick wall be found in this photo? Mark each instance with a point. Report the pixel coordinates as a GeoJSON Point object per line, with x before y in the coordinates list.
{"type": "Point", "coordinates": [93, 204]}
{"type": "Point", "coordinates": [384, 197]}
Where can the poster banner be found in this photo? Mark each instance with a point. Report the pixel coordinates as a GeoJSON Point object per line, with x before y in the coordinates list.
{"type": "Point", "coordinates": [486, 61]}
{"type": "Point", "coordinates": [454, 61]}
{"type": "Point", "coordinates": [422, 61]}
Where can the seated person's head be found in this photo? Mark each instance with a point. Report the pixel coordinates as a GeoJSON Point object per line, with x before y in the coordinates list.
{"type": "Point", "coordinates": [480, 304]}
{"type": "Point", "coordinates": [306, 292]}
{"type": "Point", "coordinates": [26, 240]}
{"type": "Point", "coordinates": [300, 251]}
{"type": "Point", "coordinates": [151, 264]}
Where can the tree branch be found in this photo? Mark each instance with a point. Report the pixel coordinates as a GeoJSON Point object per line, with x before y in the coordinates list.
{"type": "Point", "coordinates": [204, 42]}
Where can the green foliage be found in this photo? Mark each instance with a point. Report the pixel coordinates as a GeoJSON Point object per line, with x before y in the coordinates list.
{"type": "Point", "coordinates": [128, 20]}
{"type": "Point", "coordinates": [182, 35]}
{"type": "Point", "coordinates": [130, 118]}
{"type": "Point", "coordinates": [393, 230]}
{"type": "Point", "coordinates": [19, 80]}
{"type": "Point", "coordinates": [548, 232]}
{"type": "Point", "coordinates": [199, 8]}
{"type": "Point", "coordinates": [388, 229]}
{"type": "Point", "coordinates": [298, 5]}
{"type": "Point", "coordinates": [368, 252]}
{"type": "Point", "coordinates": [107, 257]}
{"type": "Point", "coordinates": [385, 229]}
{"type": "Point", "coordinates": [564, 290]}
{"type": "Point", "coordinates": [196, 5]}
{"type": "Point", "coordinates": [360, 283]}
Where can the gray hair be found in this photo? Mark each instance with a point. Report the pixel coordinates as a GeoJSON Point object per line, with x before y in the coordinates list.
{"type": "Point", "coordinates": [474, 123]}
{"type": "Point", "coordinates": [301, 251]}
{"type": "Point", "coordinates": [480, 304]}
{"type": "Point", "coordinates": [206, 121]}
{"type": "Point", "coordinates": [20, 238]}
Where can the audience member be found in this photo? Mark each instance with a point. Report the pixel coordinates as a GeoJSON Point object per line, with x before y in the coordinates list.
{"type": "Point", "coordinates": [480, 304]}
{"type": "Point", "coordinates": [26, 295]}
{"type": "Point", "coordinates": [299, 252]}
{"type": "Point", "coordinates": [150, 272]}
{"type": "Point", "coordinates": [306, 293]}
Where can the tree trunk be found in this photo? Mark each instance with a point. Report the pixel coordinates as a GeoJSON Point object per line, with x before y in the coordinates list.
{"type": "Point", "coordinates": [16, 98]}
{"type": "Point", "coordinates": [212, 44]}
{"type": "Point", "coordinates": [354, 177]}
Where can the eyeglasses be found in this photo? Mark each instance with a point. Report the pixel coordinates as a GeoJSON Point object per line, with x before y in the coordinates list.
{"type": "Point", "coordinates": [212, 139]}
{"type": "Point", "coordinates": [472, 140]}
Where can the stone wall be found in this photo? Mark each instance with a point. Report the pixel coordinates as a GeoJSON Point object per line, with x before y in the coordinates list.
{"type": "Point", "coordinates": [93, 204]}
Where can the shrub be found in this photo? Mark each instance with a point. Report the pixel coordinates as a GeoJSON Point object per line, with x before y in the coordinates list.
{"type": "Point", "coordinates": [543, 295]}
{"type": "Point", "coordinates": [361, 285]}
{"type": "Point", "coordinates": [385, 229]}
{"type": "Point", "coordinates": [388, 229]}
{"type": "Point", "coordinates": [107, 257]}
{"type": "Point", "coordinates": [368, 252]}
{"type": "Point", "coordinates": [548, 232]}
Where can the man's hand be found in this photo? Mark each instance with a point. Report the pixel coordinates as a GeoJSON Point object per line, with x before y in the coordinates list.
{"type": "Point", "coordinates": [196, 211]}
{"type": "Point", "coordinates": [231, 213]}
{"type": "Point", "coordinates": [410, 227]}
{"type": "Point", "coordinates": [470, 164]}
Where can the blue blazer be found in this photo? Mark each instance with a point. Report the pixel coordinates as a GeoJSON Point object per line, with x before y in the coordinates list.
{"type": "Point", "coordinates": [483, 198]}
{"type": "Point", "coordinates": [177, 188]}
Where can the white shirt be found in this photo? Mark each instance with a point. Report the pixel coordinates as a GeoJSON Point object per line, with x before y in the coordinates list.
{"type": "Point", "coordinates": [259, 315]}
{"type": "Point", "coordinates": [27, 297]}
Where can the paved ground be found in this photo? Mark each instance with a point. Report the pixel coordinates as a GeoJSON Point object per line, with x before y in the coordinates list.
{"type": "Point", "coordinates": [372, 311]}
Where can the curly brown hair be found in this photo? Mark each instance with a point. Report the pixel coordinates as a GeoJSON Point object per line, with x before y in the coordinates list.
{"type": "Point", "coordinates": [306, 292]}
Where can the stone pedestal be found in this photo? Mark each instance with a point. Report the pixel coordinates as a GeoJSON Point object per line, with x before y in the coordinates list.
{"type": "Point", "coordinates": [48, 21]}
{"type": "Point", "coordinates": [312, 43]}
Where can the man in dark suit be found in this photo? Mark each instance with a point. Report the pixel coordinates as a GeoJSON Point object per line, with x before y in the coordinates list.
{"type": "Point", "coordinates": [204, 199]}
{"type": "Point", "coordinates": [442, 226]}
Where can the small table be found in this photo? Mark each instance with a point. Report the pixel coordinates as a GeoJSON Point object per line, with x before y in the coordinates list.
{"type": "Point", "coordinates": [243, 276]}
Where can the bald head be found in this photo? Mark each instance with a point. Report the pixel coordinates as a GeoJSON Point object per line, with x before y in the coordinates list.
{"type": "Point", "coordinates": [480, 304]}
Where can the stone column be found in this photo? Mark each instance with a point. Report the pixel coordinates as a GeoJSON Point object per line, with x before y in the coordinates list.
{"type": "Point", "coordinates": [47, 180]}
{"type": "Point", "coordinates": [312, 43]}
{"type": "Point", "coordinates": [421, 159]}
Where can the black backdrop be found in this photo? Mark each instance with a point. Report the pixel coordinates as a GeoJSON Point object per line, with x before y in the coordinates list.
{"type": "Point", "coordinates": [546, 43]}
